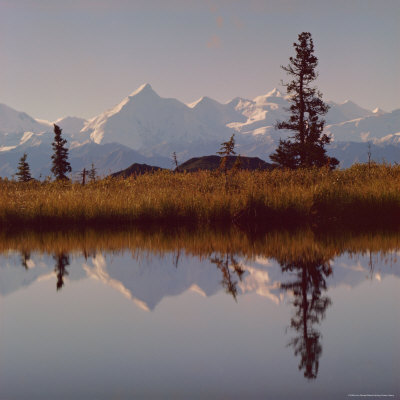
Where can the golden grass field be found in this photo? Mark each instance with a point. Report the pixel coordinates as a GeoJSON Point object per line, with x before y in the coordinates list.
{"type": "Point", "coordinates": [358, 197]}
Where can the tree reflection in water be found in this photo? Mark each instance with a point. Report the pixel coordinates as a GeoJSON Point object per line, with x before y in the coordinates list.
{"type": "Point", "coordinates": [62, 261]}
{"type": "Point", "coordinates": [310, 307]}
{"type": "Point", "coordinates": [227, 264]}
{"type": "Point", "coordinates": [25, 258]}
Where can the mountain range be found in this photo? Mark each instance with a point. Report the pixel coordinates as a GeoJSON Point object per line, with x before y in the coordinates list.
{"type": "Point", "coordinates": [147, 128]}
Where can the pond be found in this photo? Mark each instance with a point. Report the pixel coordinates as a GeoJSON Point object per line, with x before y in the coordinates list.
{"type": "Point", "coordinates": [160, 314]}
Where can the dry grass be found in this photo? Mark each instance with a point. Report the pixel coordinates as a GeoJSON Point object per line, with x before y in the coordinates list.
{"type": "Point", "coordinates": [359, 197]}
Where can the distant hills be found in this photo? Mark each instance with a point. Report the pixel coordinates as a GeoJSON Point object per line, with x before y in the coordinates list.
{"type": "Point", "coordinates": [209, 163]}
{"type": "Point", "coordinates": [145, 128]}
{"type": "Point", "coordinates": [213, 162]}
{"type": "Point", "coordinates": [135, 169]}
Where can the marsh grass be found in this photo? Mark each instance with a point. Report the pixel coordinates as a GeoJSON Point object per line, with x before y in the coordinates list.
{"type": "Point", "coordinates": [358, 197]}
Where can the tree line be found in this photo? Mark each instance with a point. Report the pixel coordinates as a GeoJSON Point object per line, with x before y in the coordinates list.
{"type": "Point", "coordinates": [304, 149]}
{"type": "Point", "coordinates": [60, 164]}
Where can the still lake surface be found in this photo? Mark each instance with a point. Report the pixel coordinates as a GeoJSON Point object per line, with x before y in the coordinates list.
{"type": "Point", "coordinates": [198, 317]}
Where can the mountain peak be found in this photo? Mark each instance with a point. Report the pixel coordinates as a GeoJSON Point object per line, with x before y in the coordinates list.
{"type": "Point", "coordinates": [378, 111]}
{"type": "Point", "coordinates": [203, 101]}
{"type": "Point", "coordinates": [145, 88]}
{"type": "Point", "coordinates": [274, 93]}
{"type": "Point", "coordinates": [349, 103]}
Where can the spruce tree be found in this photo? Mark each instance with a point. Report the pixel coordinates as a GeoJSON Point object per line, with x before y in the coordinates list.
{"type": "Point", "coordinates": [227, 149]}
{"type": "Point", "coordinates": [60, 157]}
{"type": "Point", "coordinates": [306, 148]}
{"type": "Point", "coordinates": [92, 173]}
{"type": "Point", "coordinates": [175, 160]}
{"type": "Point", "coordinates": [24, 173]}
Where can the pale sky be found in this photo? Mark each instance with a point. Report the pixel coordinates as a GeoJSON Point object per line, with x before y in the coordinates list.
{"type": "Point", "coordinates": [81, 57]}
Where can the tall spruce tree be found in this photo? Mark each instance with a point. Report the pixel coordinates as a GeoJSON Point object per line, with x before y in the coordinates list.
{"type": "Point", "coordinates": [60, 157]}
{"type": "Point", "coordinates": [306, 148]}
{"type": "Point", "coordinates": [24, 173]}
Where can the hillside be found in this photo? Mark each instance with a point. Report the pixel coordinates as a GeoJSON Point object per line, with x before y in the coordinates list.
{"type": "Point", "coordinates": [135, 169]}
{"type": "Point", "coordinates": [212, 163]}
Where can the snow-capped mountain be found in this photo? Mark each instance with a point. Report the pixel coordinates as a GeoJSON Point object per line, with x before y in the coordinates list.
{"type": "Point", "coordinates": [374, 128]}
{"type": "Point", "coordinates": [72, 127]}
{"type": "Point", "coordinates": [153, 125]}
{"type": "Point", "coordinates": [13, 121]}
{"type": "Point", "coordinates": [16, 127]}
{"type": "Point", "coordinates": [148, 128]}
{"type": "Point", "coordinates": [346, 111]}
{"type": "Point", "coordinates": [145, 122]}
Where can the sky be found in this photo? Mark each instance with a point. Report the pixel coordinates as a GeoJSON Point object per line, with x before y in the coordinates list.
{"type": "Point", "coordinates": [81, 57]}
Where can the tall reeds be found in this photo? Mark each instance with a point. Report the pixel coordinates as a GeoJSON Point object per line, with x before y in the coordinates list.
{"type": "Point", "coordinates": [359, 197]}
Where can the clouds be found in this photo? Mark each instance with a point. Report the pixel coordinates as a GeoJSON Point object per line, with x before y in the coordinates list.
{"type": "Point", "coordinates": [221, 23]}
{"type": "Point", "coordinates": [214, 42]}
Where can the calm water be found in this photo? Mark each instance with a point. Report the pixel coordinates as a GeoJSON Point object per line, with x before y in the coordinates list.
{"type": "Point", "coordinates": [148, 323]}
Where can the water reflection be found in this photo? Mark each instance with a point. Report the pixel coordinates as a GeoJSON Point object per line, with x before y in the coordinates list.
{"type": "Point", "coordinates": [62, 261]}
{"type": "Point", "coordinates": [305, 266]}
{"type": "Point", "coordinates": [25, 258]}
{"type": "Point", "coordinates": [310, 306]}
{"type": "Point", "coordinates": [227, 264]}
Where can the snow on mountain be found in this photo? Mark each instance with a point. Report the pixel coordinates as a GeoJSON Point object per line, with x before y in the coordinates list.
{"type": "Point", "coordinates": [20, 131]}
{"type": "Point", "coordinates": [393, 139]}
{"type": "Point", "coordinates": [214, 114]}
{"type": "Point", "coordinates": [16, 127]}
{"type": "Point", "coordinates": [379, 111]}
{"type": "Point", "coordinates": [13, 121]}
{"type": "Point", "coordinates": [347, 111]}
{"type": "Point", "coordinates": [264, 111]}
{"type": "Point", "coordinates": [72, 126]}
{"type": "Point", "coordinates": [144, 121]}
{"type": "Point", "coordinates": [261, 113]}
{"type": "Point", "coordinates": [370, 128]}
{"type": "Point", "coordinates": [153, 127]}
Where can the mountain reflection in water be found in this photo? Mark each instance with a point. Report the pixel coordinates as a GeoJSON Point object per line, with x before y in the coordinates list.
{"type": "Point", "coordinates": [305, 262]}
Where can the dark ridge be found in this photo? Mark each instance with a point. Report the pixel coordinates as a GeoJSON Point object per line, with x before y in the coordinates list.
{"type": "Point", "coordinates": [211, 163]}
{"type": "Point", "coordinates": [135, 169]}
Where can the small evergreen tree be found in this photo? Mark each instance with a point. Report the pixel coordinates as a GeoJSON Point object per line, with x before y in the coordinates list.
{"type": "Point", "coordinates": [175, 160]}
{"type": "Point", "coordinates": [227, 149]}
{"type": "Point", "coordinates": [24, 173]}
{"type": "Point", "coordinates": [60, 157]}
{"type": "Point", "coordinates": [92, 173]}
{"type": "Point", "coordinates": [306, 148]}
{"type": "Point", "coordinates": [83, 176]}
